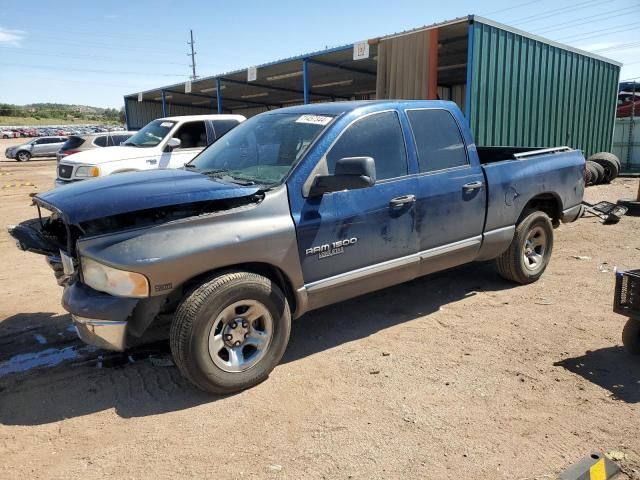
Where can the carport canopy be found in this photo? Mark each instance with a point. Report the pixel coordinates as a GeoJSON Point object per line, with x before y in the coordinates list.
{"type": "Point", "coordinates": [331, 75]}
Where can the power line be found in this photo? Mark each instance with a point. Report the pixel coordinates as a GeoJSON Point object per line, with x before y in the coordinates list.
{"type": "Point", "coordinates": [56, 67]}
{"type": "Point", "coordinates": [561, 26]}
{"type": "Point", "coordinates": [593, 33]}
{"type": "Point", "coordinates": [27, 51]}
{"type": "Point", "coordinates": [551, 13]}
{"type": "Point", "coordinates": [620, 47]}
{"type": "Point", "coordinates": [509, 8]}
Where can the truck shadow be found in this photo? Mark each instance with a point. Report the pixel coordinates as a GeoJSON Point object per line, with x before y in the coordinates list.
{"type": "Point", "coordinates": [610, 368]}
{"type": "Point", "coordinates": [141, 382]}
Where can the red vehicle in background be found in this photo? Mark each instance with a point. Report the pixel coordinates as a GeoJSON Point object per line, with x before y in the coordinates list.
{"type": "Point", "coordinates": [628, 100]}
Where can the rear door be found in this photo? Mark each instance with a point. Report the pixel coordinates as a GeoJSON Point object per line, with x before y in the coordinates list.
{"type": "Point", "coordinates": [451, 191]}
{"type": "Point", "coordinates": [354, 241]}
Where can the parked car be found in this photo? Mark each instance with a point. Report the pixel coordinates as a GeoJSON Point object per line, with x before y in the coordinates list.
{"type": "Point", "coordinates": [295, 209]}
{"type": "Point", "coordinates": [83, 143]}
{"type": "Point", "coordinates": [628, 103]}
{"type": "Point", "coordinates": [164, 143]}
{"type": "Point", "coordinates": [7, 134]}
{"type": "Point", "coordinates": [38, 147]}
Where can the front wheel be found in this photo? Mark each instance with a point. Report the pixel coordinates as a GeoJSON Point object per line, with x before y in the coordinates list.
{"type": "Point", "coordinates": [528, 255]}
{"type": "Point", "coordinates": [23, 156]}
{"type": "Point", "coordinates": [230, 332]}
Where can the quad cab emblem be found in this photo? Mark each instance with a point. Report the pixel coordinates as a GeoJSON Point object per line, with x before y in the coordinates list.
{"type": "Point", "coordinates": [331, 249]}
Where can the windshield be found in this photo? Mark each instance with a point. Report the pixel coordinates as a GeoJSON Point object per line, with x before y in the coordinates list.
{"type": "Point", "coordinates": [262, 150]}
{"type": "Point", "coordinates": [151, 134]}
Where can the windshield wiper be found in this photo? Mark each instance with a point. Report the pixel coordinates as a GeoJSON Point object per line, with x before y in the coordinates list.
{"type": "Point", "coordinates": [189, 165]}
{"type": "Point", "coordinates": [213, 172]}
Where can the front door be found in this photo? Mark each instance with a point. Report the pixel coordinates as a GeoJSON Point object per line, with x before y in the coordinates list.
{"type": "Point", "coordinates": [355, 241]}
{"type": "Point", "coordinates": [193, 139]}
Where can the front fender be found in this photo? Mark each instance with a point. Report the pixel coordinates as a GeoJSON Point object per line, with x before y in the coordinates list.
{"type": "Point", "coordinates": [175, 252]}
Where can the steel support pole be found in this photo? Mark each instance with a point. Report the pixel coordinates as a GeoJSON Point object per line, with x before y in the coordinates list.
{"type": "Point", "coordinates": [164, 104]}
{"type": "Point", "coordinates": [305, 80]}
{"type": "Point", "coordinates": [432, 87]}
{"type": "Point", "coordinates": [219, 95]}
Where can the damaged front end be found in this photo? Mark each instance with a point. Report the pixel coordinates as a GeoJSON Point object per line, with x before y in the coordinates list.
{"type": "Point", "coordinates": [50, 237]}
{"type": "Point", "coordinates": [105, 319]}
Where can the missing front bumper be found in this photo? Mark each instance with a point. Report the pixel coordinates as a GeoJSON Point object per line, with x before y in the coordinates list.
{"type": "Point", "coordinates": [106, 334]}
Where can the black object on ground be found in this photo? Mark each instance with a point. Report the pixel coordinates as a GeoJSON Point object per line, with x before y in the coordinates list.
{"type": "Point", "coordinates": [633, 206]}
{"type": "Point", "coordinates": [608, 212]}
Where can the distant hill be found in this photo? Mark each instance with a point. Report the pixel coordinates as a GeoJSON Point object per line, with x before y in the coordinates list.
{"type": "Point", "coordinates": [61, 112]}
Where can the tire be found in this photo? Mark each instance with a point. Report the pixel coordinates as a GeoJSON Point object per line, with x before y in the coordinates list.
{"type": "Point", "coordinates": [5, 136]}
{"type": "Point", "coordinates": [23, 156]}
{"type": "Point", "coordinates": [593, 173]}
{"type": "Point", "coordinates": [609, 162]}
{"type": "Point", "coordinates": [203, 330]}
{"type": "Point", "coordinates": [520, 263]}
{"type": "Point", "coordinates": [605, 156]}
{"type": "Point", "coordinates": [631, 336]}
{"type": "Point", "coordinates": [599, 173]}
{"type": "Point", "coordinates": [588, 175]}
{"type": "Point", "coordinates": [633, 206]}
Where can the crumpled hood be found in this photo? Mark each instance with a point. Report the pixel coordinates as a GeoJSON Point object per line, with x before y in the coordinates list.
{"type": "Point", "coordinates": [97, 156]}
{"type": "Point", "coordinates": [129, 192]}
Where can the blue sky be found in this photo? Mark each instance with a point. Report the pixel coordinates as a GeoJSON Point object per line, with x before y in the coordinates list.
{"type": "Point", "coordinates": [92, 53]}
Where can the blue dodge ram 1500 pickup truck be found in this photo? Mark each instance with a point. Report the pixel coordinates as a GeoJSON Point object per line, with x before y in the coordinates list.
{"type": "Point", "coordinates": [292, 210]}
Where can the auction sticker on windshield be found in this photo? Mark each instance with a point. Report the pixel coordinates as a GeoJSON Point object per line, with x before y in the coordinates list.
{"type": "Point", "coordinates": [166, 124]}
{"type": "Point", "coordinates": [314, 119]}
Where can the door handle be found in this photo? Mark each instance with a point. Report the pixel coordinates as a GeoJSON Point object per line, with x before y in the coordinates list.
{"type": "Point", "coordinates": [473, 185]}
{"type": "Point", "coordinates": [152, 161]}
{"type": "Point", "coordinates": [402, 200]}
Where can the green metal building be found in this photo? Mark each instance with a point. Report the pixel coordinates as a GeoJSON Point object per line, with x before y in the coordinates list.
{"type": "Point", "coordinates": [515, 88]}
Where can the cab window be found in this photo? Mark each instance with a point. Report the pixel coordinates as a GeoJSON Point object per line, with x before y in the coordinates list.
{"type": "Point", "coordinates": [378, 136]}
{"type": "Point", "coordinates": [192, 135]}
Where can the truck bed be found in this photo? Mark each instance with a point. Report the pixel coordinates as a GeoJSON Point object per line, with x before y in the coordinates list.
{"type": "Point", "coordinates": [514, 175]}
{"type": "Point", "coordinates": [497, 154]}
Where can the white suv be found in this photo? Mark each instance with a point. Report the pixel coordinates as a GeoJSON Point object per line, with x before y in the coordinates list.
{"type": "Point", "coordinates": [164, 143]}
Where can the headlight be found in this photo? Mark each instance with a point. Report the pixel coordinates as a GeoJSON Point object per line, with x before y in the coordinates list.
{"type": "Point", "coordinates": [88, 172]}
{"type": "Point", "coordinates": [119, 283]}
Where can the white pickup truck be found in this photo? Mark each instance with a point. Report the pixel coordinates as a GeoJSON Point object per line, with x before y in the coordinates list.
{"type": "Point", "coordinates": [167, 142]}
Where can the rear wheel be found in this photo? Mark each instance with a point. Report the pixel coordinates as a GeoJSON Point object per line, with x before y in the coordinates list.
{"type": "Point", "coordinates": [230, 332]}
{"type": "Point", "coordinates": [631, 336]}
{"type": "Point", "coordinates": [527, 257]}
{"type": "Point", "coordinates": [23, 156]}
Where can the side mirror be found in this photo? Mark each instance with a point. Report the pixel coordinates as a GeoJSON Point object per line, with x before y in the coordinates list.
{"type": "Point", "coordinates": [172, 143]}
{"type": "Point", "coordinates": [350, 173]}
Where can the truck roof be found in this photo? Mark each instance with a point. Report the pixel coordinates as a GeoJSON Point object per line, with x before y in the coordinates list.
{"type": "Point", "coordinates": [337, 108]}
{"type": "Point", "coordinates": [213, 116]}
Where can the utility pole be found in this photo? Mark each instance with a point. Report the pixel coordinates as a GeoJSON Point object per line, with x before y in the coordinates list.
{"type": "Point", "coordinates": [193, 57]}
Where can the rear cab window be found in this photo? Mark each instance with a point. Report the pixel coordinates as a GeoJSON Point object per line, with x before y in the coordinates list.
{"type": "Point", "coordinates": [438, 140]}
{"type": "Point", "coordinates": [378, 135]}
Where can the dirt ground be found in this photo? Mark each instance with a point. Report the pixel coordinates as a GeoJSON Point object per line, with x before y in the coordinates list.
{"type": "Point", "coordinates": [457, 375]}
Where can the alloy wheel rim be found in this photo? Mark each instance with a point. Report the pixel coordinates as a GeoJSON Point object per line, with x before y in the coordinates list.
{"type": "Point", "coordinates": [534, 249]}
{"type": "Point", "coordinates": [240, 336]}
